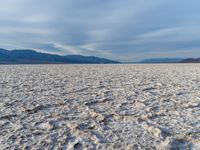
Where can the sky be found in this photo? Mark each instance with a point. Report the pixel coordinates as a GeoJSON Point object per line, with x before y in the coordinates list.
{"type": "Point", "coordinates": [123, 30]}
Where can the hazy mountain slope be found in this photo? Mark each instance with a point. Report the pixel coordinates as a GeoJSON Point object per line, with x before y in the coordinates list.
{"type": "Point", "coordinates": [161, 60]}
{"type": "Point", "coordinates": [191, 60]}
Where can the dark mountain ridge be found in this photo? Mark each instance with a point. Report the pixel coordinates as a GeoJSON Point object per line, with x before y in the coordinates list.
{"type": "Point", "coordinates": [33, 57]}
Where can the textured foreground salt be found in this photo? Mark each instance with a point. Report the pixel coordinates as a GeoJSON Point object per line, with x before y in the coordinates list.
{"type": "Point", "coordinates": [100, 106]}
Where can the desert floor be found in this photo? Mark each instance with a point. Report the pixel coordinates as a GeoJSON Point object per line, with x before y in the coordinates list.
{"type": "Point", "coordinates": [100, 106]}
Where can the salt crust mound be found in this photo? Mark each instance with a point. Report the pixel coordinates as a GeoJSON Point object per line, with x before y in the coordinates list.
{"type": "Point", "coordinates": [100, 107]}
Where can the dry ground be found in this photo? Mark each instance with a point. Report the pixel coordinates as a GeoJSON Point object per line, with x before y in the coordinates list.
{"type": "Point", "coordinates": [100, 106]}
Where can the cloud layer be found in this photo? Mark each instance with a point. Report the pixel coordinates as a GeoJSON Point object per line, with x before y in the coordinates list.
{"type": "Point", "coordinates": [127, 30]}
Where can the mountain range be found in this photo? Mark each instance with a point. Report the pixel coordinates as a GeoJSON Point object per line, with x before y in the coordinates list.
{"type": "Point", "coordinates": [33, 57]}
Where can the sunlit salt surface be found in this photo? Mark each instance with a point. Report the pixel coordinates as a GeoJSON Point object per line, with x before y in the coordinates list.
{"type": "Point", "coordinates": [100, 106]}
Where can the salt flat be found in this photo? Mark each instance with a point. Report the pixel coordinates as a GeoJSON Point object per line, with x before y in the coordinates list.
{"type": "Point", "coordinates": [100, 106]}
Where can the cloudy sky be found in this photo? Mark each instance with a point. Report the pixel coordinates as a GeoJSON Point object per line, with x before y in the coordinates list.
{"type": "Point", "coordinates": [125, 30]}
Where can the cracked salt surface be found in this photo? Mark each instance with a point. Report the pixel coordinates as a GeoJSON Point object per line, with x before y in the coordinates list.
{"type": "Point", "coordinates": [100, 106]}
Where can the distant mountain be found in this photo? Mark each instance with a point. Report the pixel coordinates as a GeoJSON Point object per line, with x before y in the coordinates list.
{"type": "Point", "coordinates": [33, 57]}
{"type": "Point", "coordinates": [191, 60]}
{"type": "Point", "coordinates": [161, 60]}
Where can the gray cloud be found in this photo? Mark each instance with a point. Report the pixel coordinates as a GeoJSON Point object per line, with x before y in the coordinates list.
{"type": "Point", "coordinates": [125, 30]}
